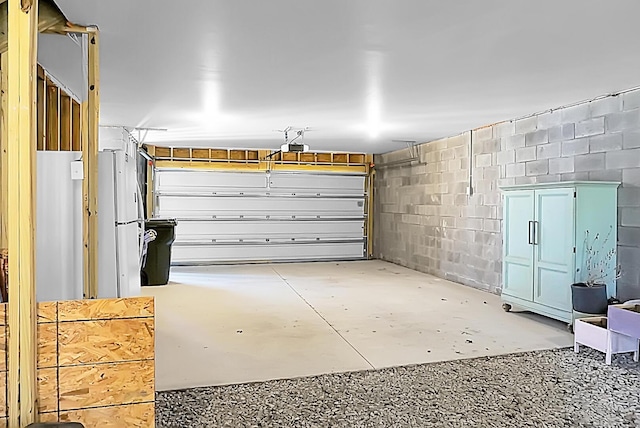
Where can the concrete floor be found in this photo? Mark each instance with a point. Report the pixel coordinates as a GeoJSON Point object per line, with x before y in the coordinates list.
{"type": "Point", "coordinates": [234, 324]}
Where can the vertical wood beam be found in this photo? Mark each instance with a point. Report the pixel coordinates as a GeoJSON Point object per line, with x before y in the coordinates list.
{"type": "Point", "coordinates": [4, 184]}
{"type": "Point", "coordinates": [65, 122]}
{"type": "Point", "coordinates": [76, 126]}
{"type": "Point", "coordinates": [151, 150]}
{"type": "Point", "coordinates": [91, 163]}
{"type": "Point", "coordinates": [21, 145]}
{"type": "Point", "coordinates": [41, 99]}
{"type": "Point", "coordinates": [86, 292]}
{"type": "Point", "coordinates": [53, 117]}
{"type": "Point", "coordinates": [370, 205]}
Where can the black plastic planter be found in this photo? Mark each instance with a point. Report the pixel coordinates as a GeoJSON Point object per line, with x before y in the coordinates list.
{"type": "Point", "coordinates": [589, 300]}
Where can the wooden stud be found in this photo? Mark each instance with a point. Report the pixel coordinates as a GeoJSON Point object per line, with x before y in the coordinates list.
{"type": "Point", "coordinates": [151, 150]}
{"type": "Point", "coordinates": [370, 213]}
{"type": "Point", "coordinates": [76, 126]}
{"type": "Point", "coordinates": [91, 162]}
{"type": "Point", "coordinates": [84, 114]}
{"type": "Point", "coordinates": [4, 189]}
{"type": "Point", "coordinates": [65, 122]}
{"type": "Point", "coordinates": [21, 144]}
{"type": "Point", "coordinates": [52, 141]}
{"type": "Point", "coordinates": [42, 116]}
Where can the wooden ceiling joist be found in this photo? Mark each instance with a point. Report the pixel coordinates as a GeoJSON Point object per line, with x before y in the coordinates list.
{"type": "Point", "coordinates": [51, 20]}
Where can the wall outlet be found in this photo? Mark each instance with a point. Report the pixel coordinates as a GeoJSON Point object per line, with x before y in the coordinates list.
{"type": "Point", "coordinates": [77, 170]}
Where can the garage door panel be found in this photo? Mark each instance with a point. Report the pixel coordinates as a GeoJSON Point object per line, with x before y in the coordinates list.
{"type": "Point", "coordinates": [317, 183]}
{"type": "Point", "coordinates": [200, 206]}
{"type": "Point", "coordinates": [239, 217]}
{"type": "Point", "coordinates": [272, 230]}
{"type": "Point", "coordinates": [185, 254]}
{"type": "Point", "coordinates": [209, 181]}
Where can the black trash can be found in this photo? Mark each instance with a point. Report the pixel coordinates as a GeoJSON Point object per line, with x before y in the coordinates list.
{"type": "Point", "coordinates": [158, 260]}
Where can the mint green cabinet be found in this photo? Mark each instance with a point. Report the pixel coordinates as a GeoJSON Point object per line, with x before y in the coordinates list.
{"type": "Point", "coordinates": [544, 231]}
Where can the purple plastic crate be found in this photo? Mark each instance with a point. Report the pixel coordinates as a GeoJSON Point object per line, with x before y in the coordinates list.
{"type": "Point", "coordinates": [625, 319]}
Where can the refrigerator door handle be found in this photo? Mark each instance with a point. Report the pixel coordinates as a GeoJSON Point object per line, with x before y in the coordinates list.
{"type": "Point", "coordinates": [140, 221]}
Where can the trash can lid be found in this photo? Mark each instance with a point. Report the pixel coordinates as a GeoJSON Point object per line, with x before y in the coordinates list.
{"type": "Point", "coordinates": [161, 222]}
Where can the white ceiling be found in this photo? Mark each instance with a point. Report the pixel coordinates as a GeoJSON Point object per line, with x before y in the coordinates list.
{"type": "Point", "coordinates": [359, 73]}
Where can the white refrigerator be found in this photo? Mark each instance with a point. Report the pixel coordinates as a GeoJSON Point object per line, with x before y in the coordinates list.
{"type": "Point", "coordinates": [120, 223]}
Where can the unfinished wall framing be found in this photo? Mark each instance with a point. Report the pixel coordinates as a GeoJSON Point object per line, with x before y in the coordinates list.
{"type": "Point", "coordinates": [95, 362]}
{"type": "Point", "coordinates": [59, 120]}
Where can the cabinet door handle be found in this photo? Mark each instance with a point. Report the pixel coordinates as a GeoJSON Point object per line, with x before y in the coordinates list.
{"type": "Point", "coordinates": [535, 232]}
{"type": "Point", "coordinates": [530, 232]}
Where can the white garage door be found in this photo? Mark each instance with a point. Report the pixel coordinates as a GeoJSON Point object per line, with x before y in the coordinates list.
{"type": "Point", "coordinates": [262, 216]}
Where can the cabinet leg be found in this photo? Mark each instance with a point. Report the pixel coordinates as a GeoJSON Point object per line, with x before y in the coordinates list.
{"type": "Point", "coordinates": [506, 307]}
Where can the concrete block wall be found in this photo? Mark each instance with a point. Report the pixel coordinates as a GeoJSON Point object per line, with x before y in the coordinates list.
{"type": "Point", "coordinates": [426, 220]}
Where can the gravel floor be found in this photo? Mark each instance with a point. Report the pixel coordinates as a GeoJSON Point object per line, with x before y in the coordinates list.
{"type": "Point", "coordinates": [538, 389]}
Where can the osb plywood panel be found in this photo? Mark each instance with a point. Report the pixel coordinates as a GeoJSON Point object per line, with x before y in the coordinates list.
{"type": "Point", "coordinates": [47, 346]}
{"type": "Point", "coordinates": [3, 314]}
{"type": "Point", "coordinates": [132, 307]}
{"type": "Point", "coordinates": [3, 394]}
{"type": "Point", "coordinates": [3, 422]}
{"type": "Point", "coordinates": [47, 312]}
{"type": "Point", "coordinates": [106, 384]}
{"type": "Point", "coordinates": [131, 416]}
{"type": "Point", "coordinates": [3, 349]}
{"type": "Point", "coordinates": [49, 417]}
{"type": "Point", "coordinates": [48, 390]}
{"type": "Point", "coordinates": [106, 341]}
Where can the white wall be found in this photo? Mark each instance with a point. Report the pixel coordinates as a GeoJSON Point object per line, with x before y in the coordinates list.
{"type": "Point", "coordinates": [59, 264]}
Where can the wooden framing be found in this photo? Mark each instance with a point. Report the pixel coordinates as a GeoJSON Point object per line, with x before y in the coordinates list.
{"type": "Point", "coordinates": [4, 183]}
{"type": "Point", "coordinates": [65, 122]}
{"type": "Point", "coordinates": [49, 20]}
{"type": "Point", "coordinates": [150, 185]}
{"type": "Point", "coordinates": [76, 126]}
{"type": "Point", "coordinates": [90, 158]}
{"type": "Point", "coordinates": [52, 137]}
{"type": "Point", "coordinates": [369, 208]}
{"type": "Point", "coordinates": [59, 117]}
{"type": "Point", "coordinates": [41, 106]}
{"type": "Point", "coordinates": [21, 144]}
{"type": "Point", "coordinates": [86, 213]}
{"type": "Point", "coordinates": [258, 160]}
